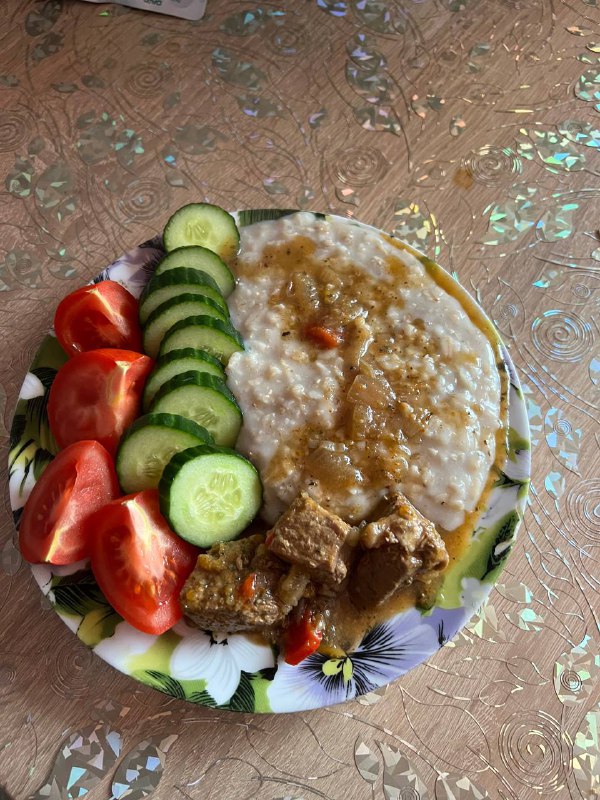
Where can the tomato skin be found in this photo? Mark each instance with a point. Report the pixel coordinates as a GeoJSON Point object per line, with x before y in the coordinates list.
{"type": "Point", "coordinates": [96, 395]}
{"type": "Point", "coordinates": [302, 638]}
{"type": "Point", "coordinates": [80, 480]}
{"type": "Point", "coordinates": [139, 563]}
{"type": "Point", "coordinates": [100, 315]}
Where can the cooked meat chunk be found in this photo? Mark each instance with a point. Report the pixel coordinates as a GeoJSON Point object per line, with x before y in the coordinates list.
{"type": "Point", "coordinates": [293, 583]}
{"type": "Point", "coordinates": [234, 588]}
{"type": "Point", "coordinates": [312, 538]}
{"type": "Point", "coordinates": [400, 547]}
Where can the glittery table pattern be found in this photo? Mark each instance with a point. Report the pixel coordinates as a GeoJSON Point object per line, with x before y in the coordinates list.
{"type": "Point", "coordinates": [469, 129]}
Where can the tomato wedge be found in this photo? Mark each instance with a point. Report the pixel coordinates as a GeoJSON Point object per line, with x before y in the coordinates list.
{"type": "Point", "coordinates": [96, 395]}
{"type": "Point", "coordinates": [75, 484]}
{"type": "Point", "coordinates": [101, 315]}
{"type": "Point", "coordinates": [139, 563]}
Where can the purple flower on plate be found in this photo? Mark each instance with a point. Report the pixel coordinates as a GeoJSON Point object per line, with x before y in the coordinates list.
{"type": "Point", "coordinates": [386, 652]}
{"type": "Point", "coordinates": [446, 622]}
{"type": "Point", "coordinates": [134, 268]}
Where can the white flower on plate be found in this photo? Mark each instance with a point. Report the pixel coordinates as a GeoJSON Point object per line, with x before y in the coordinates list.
{"type": "Point", "coordinates": [32, 387]}
{"type": "Point", "coordinates": [20, 485]}
{"type": "Point", "coordinates": [474, 593]}
{"type": "Point", "coordinates": [217, 660]}
{"type": "Point", "coordinates": [520, 468]}
{"type": "Point", "coordinates": [123, 646]}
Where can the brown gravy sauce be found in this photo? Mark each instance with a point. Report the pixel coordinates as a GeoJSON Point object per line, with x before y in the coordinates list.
{"type": "Point", "coordinates": [347, 625]}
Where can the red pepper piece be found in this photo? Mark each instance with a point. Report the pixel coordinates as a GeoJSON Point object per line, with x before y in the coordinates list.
{"type": "Point", "coordinates": [324, 337]}
{"type": "Point", "coordinates": [302, 638]}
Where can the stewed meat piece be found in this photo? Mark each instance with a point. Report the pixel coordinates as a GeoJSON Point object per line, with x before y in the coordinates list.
{"type": "Point", "coordinates": [313, 539]}
{"type": "Point", "coordinates": [253, 583]}
{"type": "Point", "coordinates": [234, 587]}
{"type": "Point", "coordinates": [399, 548]}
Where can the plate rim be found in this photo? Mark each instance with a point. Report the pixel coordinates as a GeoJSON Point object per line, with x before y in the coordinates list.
{"type": "Point", "coordinates": [293, 695]}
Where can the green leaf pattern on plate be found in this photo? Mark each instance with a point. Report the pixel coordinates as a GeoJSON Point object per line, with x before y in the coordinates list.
{"type": "Point", "coordinates": [78, 596]}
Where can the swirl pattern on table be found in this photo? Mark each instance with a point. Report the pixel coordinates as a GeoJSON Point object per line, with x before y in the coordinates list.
{"type": "Point", "coordinates": [533, 747]}
{"type": "Point", "coordinates": [359, 166]}
{"type": "Point", "coordinates": [576, 674]}
{"type": "Point", "coordinates": [143, 199]}
{"type": "Point", "coordinates": [146, 80]}
{"type": "Point", "coordinates": [14, 129]}
{"type": "Point", "coordinates": [492, 165]}
{"type": "Point", "coordinates": [562, 336]}
{"type": "Point", "coordinates": [69, 671]}
{"type": "Point", "coordinates": [8, 678]}
{"type": "Point", "coordinates": [583, 507]}
{"type": "Point", "coordinates": [468, 128]}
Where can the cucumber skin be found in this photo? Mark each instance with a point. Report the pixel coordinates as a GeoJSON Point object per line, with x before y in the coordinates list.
{"type": "Point", "coordinates": [226, 281]}
{"type": "Point", "coordinates": [175, 276]}
{"type": "Point", "coordinates": [179, 355]}
{"type": "Point", "coordinates": [165, 420]}
{"type": "Point", "coordinates": [174, 302]}
{"type": "Point", "coordinates": [184, 277]}
{"type": "Point", "coordinates": [185, 297]}
{"type": "Point", "coordinates": [226, 435]}
{"type": "Point", "coordinates": [191, 378]}
{"type": "Point", "coordinates": [172, 469]}
{"type": "Point", "coordinates": [148, 401]}
{"type": "Point", "coordinates": [187, 352]}
{"type": "Point", "coordinates": [207, 322]}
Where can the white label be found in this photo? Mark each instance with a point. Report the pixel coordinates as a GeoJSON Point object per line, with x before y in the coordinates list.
{"type": "Point", "coordinates": [188, 9]}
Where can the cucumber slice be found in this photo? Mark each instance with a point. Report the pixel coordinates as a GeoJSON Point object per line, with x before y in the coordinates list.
{"type": "Point", "coordinates": [149, 444]}
{"type": "Point", "coordinates": [173, 282]}
{"type": "Point", "coordinates": [173, 310]}
{"type": "Point", "coordinates": [200, 258]}
{"type": "Point", "coordinates": [176, 362]}
{"type": "Point", "coordinates": [216, 337]}
{"type": "Point", "coordinates": [206, 400]}
{"type": "Point", "coordinates": [203, 224]}
{"type": "Point", "coordinates": [209, 494]}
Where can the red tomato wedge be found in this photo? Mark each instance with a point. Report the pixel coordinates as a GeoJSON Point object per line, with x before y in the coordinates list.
{"type": "Point", "coordinates": [139, 563]}
{"type": "Point", "coordinates": [96, 395]}
{"type": "Point", "coordinates": [75, 484]}
{"type": "Point", "coordinates": [101, 315]}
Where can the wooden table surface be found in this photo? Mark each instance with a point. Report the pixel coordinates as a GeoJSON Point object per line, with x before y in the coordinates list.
{"type": "Point", "coordinates": [468, 128]}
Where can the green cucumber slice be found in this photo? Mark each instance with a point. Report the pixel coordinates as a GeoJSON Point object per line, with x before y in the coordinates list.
{"type": "Point", "coordinates": [203, 224]}
{"type": "Point", "coordinates": [149, 444]}
{"type": "Point", "coordinates": [173, 282]}
{"type": "Point", "coordinates": [206, 400]}
{"type": "Point", "coordinates": [200, 258]}
{"type": "Point", "coordinates": [171, 311]}
{"type": "Point", "coordinates": [176, 362]}
{"type": "Point", "coordinates": [216, 337]}
{"type": "Point", "coordinates": [209, 494]}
